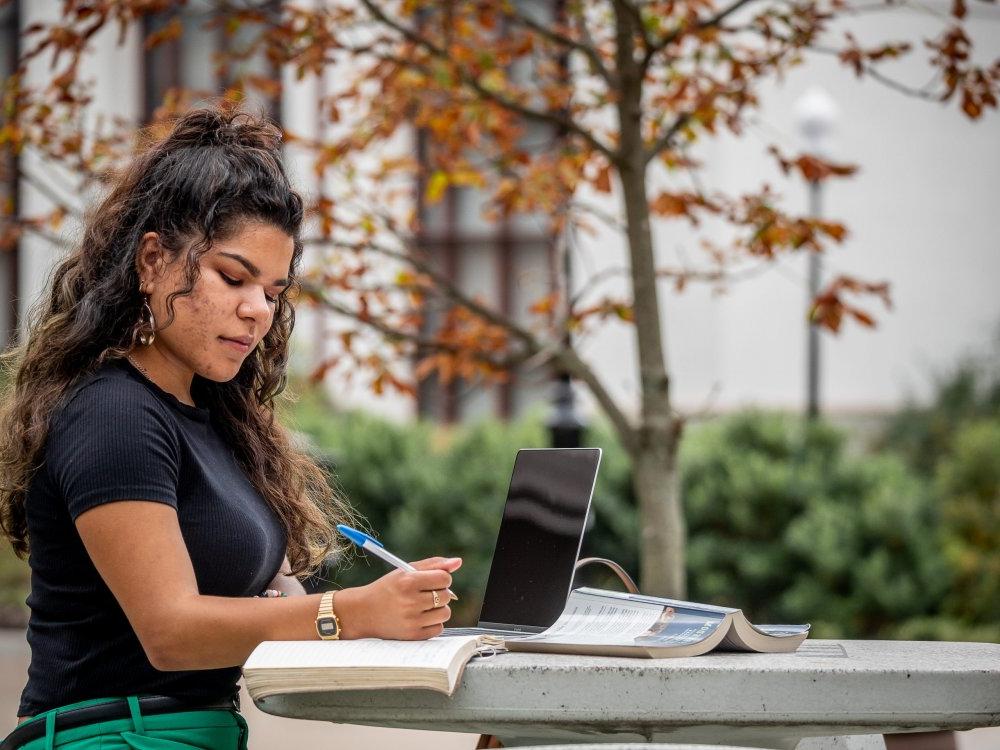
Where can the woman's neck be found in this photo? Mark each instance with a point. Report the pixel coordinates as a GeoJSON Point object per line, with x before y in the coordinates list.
{"type": "Point", "coordinates": [164, 372]}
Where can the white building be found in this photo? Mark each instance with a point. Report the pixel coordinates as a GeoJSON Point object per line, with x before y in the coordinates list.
{"type": "Point", "coordinates": [921, 212]}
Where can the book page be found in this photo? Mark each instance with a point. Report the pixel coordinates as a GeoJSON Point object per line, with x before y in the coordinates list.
{"type": "Point", "coordinates": [593, 619]}
{"type": "Point", "coordinates": [781, 631]}
{"type": "Point", "coordinates": [663, 601]}
{"type": "Point", "coordinates": [681, 627]}
{"type": "Point", "coordinates": [362, 653]}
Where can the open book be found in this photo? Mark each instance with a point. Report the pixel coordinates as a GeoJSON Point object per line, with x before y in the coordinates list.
{"type": "Point", "coordinates": [601, 623]}
{"type": "Point", "coordinates": [365, 664]}
{"type": "Point", "coordinates": [609, 623]}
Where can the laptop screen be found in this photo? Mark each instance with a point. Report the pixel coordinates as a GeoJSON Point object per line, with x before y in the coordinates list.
{"type": "Point", "coordinates": [540, 536]}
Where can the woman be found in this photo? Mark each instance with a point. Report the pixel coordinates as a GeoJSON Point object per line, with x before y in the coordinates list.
{"type": "Point", "coordinates": [168, 516]}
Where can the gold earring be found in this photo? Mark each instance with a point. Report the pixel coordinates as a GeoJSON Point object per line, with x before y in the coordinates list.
{"type": "Point", "coordinates": [146, 329]}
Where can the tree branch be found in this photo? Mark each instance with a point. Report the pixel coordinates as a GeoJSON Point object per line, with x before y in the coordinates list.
{"type": "Point", "coordinates": [533, 347]}
{"type": "Point", "coordinates": [707, 23]}
{"type": "Point", "coordinates": [564, 41]}
{"type": "Point", "coordinates": [868, 68]}
{"type": "Point", "coordinates": [54, 239]}
{"type": "Point", "coordinates": [391, 333]}
{"type": "Point", "coordinates": [571, 362]}
{"type": "Point", "coordinates": [723, 14]}
{"type": "Point", "coordinates": [446, 286]}
{"type": "Point", "coordinates": [871, 70]}
{"type": "Point", "coordinates": [665, 140]}
{"type": "Point", "coordinates": [546, 116]}
{"type": "Point", "coordinates": [49, 193]}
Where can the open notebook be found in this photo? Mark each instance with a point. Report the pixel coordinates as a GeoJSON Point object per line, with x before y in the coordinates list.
{"type": "Point", "coordinates": [366, 664]}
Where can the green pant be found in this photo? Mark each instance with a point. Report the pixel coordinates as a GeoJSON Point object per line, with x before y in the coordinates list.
{"type": "Point", "coordinates": [211, 729]}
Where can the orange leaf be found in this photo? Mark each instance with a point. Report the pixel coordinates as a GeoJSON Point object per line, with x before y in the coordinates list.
{"type": "Point", "coordinates": [545, 305]}
{"type": "Point", "coordinates": [173, 30]}
{"type": "Point", "coordinates": [862, 317]}
{"type": "Point", "coordinates": [602, 183]}
{"type": "Point", "coordinates": [669, 204]}
{"type": "Point", "coordinates": [834, 230]}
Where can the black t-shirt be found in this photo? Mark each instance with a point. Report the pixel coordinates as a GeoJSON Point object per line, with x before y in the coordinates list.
{"type": "Point", "coordinates": [120, 437]}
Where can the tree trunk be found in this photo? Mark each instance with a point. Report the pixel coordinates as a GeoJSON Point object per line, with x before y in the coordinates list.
{"type": "Point", "coordinates": [656, 483]}
{"type": "Point", "coordinates": [654, 452]}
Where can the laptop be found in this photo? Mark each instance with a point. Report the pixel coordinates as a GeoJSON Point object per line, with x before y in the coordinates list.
{"type": "Point", "coordinates": [539, 541]}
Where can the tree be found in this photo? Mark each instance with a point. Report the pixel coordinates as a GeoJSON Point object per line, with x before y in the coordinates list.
{"type": "Point", "coordinates": [622, 88]}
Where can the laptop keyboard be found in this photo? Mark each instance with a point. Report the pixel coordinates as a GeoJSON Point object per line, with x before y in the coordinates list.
{"type": "Point", "coordinates": [485, 631]}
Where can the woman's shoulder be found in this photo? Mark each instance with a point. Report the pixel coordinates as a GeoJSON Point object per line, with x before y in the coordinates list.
{"type": "Point", "coordinates": [110, 393]}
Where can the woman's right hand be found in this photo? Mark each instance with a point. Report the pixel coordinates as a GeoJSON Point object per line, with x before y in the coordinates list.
{"type": "Point", "coordinates": [400, 604]}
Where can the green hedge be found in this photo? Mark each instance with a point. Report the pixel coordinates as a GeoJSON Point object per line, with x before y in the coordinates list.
{"type": "Point", "coordinates": [783, 523]}
{"type": "Point", "coordinates": [781, 519]}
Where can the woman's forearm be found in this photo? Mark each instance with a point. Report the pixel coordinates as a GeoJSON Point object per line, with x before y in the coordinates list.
{"type": "Point", "coordinates": [211, 632]}
{"type": "Point", "coordinates": [191, 631]}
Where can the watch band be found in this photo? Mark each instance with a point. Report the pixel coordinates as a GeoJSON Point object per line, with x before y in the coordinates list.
{"type": "Point", "coordinates": [327, 622]}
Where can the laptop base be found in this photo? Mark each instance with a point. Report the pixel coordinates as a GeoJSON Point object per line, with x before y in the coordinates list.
{"type": "Point", "coordinates": [485, 631]}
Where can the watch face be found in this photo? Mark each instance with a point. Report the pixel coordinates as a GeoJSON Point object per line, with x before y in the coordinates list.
{"type": "Point", "coordinates": [327, 627]}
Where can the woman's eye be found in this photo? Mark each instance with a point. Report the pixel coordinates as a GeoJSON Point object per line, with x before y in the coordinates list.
{"type": "Point", "coordinates": [238, 282]}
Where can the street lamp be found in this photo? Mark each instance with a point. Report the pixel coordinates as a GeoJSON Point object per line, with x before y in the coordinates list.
{"type": "Point", "coordinates": [565, 424]}
{"type": "Point", "coordinates": [815, 115]}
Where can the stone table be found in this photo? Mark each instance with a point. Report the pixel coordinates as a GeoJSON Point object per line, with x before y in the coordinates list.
{"type": "Point", "coordinates": [829, 694]}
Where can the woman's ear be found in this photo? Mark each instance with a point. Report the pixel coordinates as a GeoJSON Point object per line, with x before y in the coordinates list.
{"type": "Point", "coordinates": [150, 261]}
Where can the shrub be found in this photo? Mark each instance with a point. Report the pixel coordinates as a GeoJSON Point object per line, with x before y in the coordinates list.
{"type": "Point", "coordinates": [14, 583]}
{"type": "Point", "coordinates": [967, 484]}
{"type": "Point", "coordinates": [922, 434]}
{"type": "Point", "coordinates": [782, 523]}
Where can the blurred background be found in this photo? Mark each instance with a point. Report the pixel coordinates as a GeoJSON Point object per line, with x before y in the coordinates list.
{"type": "Point", "coordinates": [853, 483]}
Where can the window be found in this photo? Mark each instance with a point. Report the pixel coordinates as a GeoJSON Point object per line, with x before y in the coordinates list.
{"type": "Point", "coordinates": [507, 263]}
{"type": "Point", "coordinates": [189, 62]}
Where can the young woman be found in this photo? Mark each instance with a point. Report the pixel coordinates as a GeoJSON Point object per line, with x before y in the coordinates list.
{"type": "Point", "coordinates": [167, 514]}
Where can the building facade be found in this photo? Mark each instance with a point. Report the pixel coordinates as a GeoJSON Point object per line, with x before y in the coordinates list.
{"type": "Point", "coordinates": [920, 211]}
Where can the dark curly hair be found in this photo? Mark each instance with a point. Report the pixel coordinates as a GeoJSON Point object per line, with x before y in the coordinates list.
{"type": "Point", "coordinates": [217, 169]}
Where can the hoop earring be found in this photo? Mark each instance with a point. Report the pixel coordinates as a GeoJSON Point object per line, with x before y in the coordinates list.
{"type": "Point", "coordinates": [146, 328]}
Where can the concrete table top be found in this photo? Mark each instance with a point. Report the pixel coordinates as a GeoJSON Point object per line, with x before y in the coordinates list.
{"type": "Point", "coordinates": [826, 688]}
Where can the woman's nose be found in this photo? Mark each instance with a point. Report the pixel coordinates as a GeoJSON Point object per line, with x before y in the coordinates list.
{"type": "Point", "coordinates": [255, 306]}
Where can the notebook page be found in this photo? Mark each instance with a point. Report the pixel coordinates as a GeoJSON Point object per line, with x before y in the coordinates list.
{"type": "Point", "coordinates": [364, 653]}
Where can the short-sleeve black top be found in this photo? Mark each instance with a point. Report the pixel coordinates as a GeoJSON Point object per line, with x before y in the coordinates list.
{"type": "Point", "coordinates": [120, 437]}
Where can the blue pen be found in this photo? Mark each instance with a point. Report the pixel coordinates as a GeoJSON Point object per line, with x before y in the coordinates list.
{"type": "Point", "coordinates": [370, 544]}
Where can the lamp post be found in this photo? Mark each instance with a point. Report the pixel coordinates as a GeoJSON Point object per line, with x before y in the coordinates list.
{"type": "Point", "coordinates": [565, 424]}
{"type": "Point", "coordinates": [815, 115]}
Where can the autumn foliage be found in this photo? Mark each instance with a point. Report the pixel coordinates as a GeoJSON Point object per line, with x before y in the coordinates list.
{"type": "Point", "coordinates": [525, 104]}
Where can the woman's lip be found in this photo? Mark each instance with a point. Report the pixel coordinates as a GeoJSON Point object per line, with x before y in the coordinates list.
{"type": "Point", "coordinates": [238, 345]}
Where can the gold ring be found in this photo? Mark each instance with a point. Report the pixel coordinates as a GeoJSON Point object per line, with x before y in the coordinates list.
{"type": "Point", "coordinates": [437, 599]}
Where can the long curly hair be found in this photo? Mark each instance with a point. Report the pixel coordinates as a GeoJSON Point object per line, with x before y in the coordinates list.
{"type": "Point", "coordinates": [217, 169]}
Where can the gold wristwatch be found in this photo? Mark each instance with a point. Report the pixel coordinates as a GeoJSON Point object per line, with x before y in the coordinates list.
{"type": "Point", "coordinates": [327, 622]}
